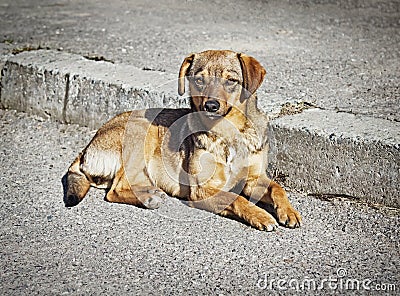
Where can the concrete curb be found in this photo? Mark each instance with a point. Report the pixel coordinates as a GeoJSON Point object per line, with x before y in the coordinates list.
{"type": "Point", "coordinates": [320, 152]}
{"type": "Point", "coordinates": [325, 152]}
{"type": "Point", "coordinates": [72, 89]}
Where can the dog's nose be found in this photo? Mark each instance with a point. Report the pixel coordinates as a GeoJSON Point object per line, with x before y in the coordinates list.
{"type": "Point", "coordinates": [211, 106]}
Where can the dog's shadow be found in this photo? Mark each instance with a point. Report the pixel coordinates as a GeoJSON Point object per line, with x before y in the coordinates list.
{"type": "Point", "coordinates": [268, 208]}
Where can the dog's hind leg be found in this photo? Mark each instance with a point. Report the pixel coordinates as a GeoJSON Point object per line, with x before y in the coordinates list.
{"type": "Point", "coordinates": [77, 184]}
{"type": "Point", "coordinates": [121, 191]}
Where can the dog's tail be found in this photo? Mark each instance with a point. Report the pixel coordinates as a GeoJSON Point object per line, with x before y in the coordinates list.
{"type": "Point", "coordinates": [76, 184]}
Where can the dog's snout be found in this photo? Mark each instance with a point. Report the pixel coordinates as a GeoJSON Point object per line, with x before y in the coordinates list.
{"type": "Point", "coordinates": [212, 106]}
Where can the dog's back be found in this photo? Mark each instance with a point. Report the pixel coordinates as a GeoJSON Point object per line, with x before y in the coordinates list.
{"type": "Point", "coordinates": [99, 162]}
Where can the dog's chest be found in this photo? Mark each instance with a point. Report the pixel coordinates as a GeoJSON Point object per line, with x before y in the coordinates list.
{"type": "Point", "coordinates": [232, 153]}
{"type": "Point", "coordinates": [237, 159]}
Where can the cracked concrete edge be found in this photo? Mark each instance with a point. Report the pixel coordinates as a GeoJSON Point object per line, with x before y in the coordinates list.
{"type": "Point", "coordinates": [319, 151]}
{"type": "Point", "coordinates": [326, 152]}
{"type": "Point", "coordinates": [73, 89]}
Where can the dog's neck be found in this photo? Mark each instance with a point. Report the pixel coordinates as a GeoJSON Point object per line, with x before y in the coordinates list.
{"type": "Point", "coordinates": [243, 126]}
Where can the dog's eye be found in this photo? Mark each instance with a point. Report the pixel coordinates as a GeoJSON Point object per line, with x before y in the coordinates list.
{"type": "Point", "coordinates": [231, 82]}
{"type": "Point", "coordinates": [199, 81]}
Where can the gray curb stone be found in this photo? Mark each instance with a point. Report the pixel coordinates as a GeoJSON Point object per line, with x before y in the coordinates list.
{"type": "Point", "coordinates": [321, 152]}
{"type": "Point", "coordinates": [325, 152]}
{"type": "Point", "coordinates": [72, 89]}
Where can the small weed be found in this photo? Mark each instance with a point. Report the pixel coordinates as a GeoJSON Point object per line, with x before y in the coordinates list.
{"type": "Point", "coordinates": [97, 58]}
{"type": "Point", "coordinates": [28, 48]}
{"type": "Point", "coordinates": [278, 176]}
{"type": "Point", "coordinates": [8, 41]}
{"type": "Point", "coordinates": [290, 108]}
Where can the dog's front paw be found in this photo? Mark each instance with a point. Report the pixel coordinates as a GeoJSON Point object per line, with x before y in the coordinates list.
{"type": "Point", "coordinates": [263, 221]}
{"type": "Point", "coordinates": [152, 198]}
{"type": "Point", "coordinates": [153, 202]}
{"type": "Point", "coordinates": [288, 216]}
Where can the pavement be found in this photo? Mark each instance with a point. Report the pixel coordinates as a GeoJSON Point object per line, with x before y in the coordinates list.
{"type": "Point", "coordinates": [331, 91]}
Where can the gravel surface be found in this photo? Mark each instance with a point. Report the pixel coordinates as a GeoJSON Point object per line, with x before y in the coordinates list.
{"type": "Point", "coordinates": [339, 55]}
{"type": "Point", "coordinates": [102, 248]}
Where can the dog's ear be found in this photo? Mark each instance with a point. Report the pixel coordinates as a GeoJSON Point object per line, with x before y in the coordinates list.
{"type": "Point", "coordinates": [187, 62]}
{"type": "Point", "coordinates": [253, 75]}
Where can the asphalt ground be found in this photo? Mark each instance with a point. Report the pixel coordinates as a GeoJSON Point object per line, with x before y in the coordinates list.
{"type": "Point", "coordinates": [338, 55]}
{"type": "Point", "coordinates": [98, 248]}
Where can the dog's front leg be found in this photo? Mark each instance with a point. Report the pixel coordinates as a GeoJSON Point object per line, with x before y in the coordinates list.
{"type": "Point", "coordinates": [208, 191]}
{"type": "Point", "coordinates": [250, 213]}
{"type": "Point", "coordinates": [235, 206]}
{"type": "Point", "coordinates": [269, 192]}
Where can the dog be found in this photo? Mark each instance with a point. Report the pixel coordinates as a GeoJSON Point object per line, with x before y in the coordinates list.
{"type": "Point", "coordinates": [211, 155]}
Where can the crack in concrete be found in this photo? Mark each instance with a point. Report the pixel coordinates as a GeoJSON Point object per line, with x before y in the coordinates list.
{"type": "Point", "coordinates": [1, 86]}
{"type": "Point", "coordinates": [66, 97]}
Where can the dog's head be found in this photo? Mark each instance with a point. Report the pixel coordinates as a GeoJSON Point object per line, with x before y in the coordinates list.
{"type": "Point", "coordinates": [220, 80]}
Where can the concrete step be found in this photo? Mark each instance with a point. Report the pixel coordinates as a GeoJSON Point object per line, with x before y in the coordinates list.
{"type": "Point", "coordinates": [318, 151]}
{"type": "Point", "coordinates": [329, 153]}
{"type": "Point", "coordinates": [72, 89]}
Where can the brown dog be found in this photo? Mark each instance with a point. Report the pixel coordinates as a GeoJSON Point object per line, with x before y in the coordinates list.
{"type": "Point", "coordinates": [213, 155]}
